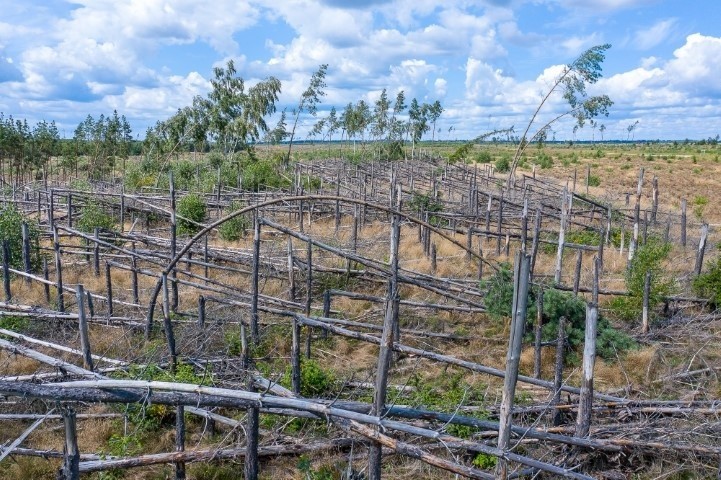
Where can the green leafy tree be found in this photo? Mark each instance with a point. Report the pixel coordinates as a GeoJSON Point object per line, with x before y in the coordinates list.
{"type": "Point", "coordinates": [236, 116]}
{"type": "Point", "coordinates": [418, 116]}
{"type": "Point", "coordinates": [309, 101]}
{"type": "Point", "coordinates": [571, 82]}
{"type": "Point", "coordinates": [434, 113]}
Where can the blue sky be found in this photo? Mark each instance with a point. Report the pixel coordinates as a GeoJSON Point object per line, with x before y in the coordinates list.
{"type": "Point", "coordinates": [488, 62]}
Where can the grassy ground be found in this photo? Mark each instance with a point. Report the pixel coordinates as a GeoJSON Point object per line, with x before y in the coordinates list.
{"type": "Point", "coordinates": [675, 345]}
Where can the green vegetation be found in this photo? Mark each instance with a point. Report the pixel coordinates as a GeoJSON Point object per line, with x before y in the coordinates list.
{"type": "Point", "coordinates": [11, 221]}
{"type": "Point", "coordinates": [649, 257]}
{"type": "Point", "coordinates": [16, 324]}
{"type": "Point", "coordinates": [314, 380]}
{"type": "Point", "coordinates": [544, 160]}
{"type": "Point", "coordinates": [93, 216]}
{"type": "Point", "coordinates": [556, 304]}
{"type": "Point", "coordinates": [503, 165]}
{"type": "Point", "coordinates": [708, 284]}
{"type": "Point", "coordinates": [236, 227]}
{"type": "Point", "coordinates": [191, 211]}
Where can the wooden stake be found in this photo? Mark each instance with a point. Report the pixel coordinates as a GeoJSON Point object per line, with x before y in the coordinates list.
{"type": "Point", "coordinates": [520, 299]}
{"type": "Point", "coordinates": [308, 294]}
{"type": "Point", "coordinates": [168, 326]}
{"type": "Point", "coordinates": [83, 327]}
{"type": "Point", "coordinates": [386, 346]}
{"type": "Point", "coordinates": [577, 275]}
{"type": "Point", "coordinates": [291, 271]}
{"type": "Point", "coordinates": [646, 295]}
{"type": "Point", "coordinates": [201, 311]}
{"type": "Point", "coordinates": [173, 243]}
{"type": "Point", "coordinates": [46, 276]}
{"type": "Point", "coordinates": [254, 286]}
{"type": "Point", "coordinates": [109, 288]}
{"type": "Point", "coordinates": [96, 253]}
{"type": "Point", "coordinates": [71, 463]}
{"type": "Point", "coordinates": [295, 358]}
{"type": "Point", "coordinates": [537, 336]}
{"type": "Point", "coordinates": [561, 237]}
{"type": "Point", "coordinates": [701, 249]}
{"type": "Point", "coordinates": [683, 222]}
{"type": "Point", "coordinates": [58, 271]}
{"type": "Point", "coordinates": [134, 275]}
{"type": "Point", "coordinates": [558, 372]}
{"type": "Point", "coordinates": [27, 265]}
{"type": "Point", "coordinates": [6, 269]}
{"type": "Point", "coordinates": [180, 440]}
{"type": "Point", "coordinates": [585, 401]}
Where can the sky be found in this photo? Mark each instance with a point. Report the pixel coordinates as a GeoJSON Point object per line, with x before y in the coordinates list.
{"type": "Point", "coordinates": [489, 62]}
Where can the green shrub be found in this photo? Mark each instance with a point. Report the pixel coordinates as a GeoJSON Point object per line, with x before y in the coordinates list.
{"type": "Point", "coordinates": [708, 284]}
{"type": "Point", "coordinates": [215, 160]}
{"type": "Point", "coordinates": [236, 227]}
{"type": "Point", "coordinates": [184, 174]}
{"type": "Point", "coordinates": [191, 207]}
{"type": "Point", "coordinates": [93, 216]}
{"type": "Point", "coordinates": [594, 181]}
{"type": "Point", "coordinates": [484, 461]}
{"type": "Point", "coordinates": [503, 164]}
{"type": "Point", "coordinates": [556, 304]}
{"type": "Point", "coordinates": [305, 467]}
{"type": "Point", "coordinates": [16, 324]}
{"type": "Point", "coordinates": [544, 160]}
{"type": "Point", "coordinates": [483, 157]}
{"type": "Point", "coordinates": [261, 175]}
{"type": "Point", "coordinates": [421, 202]}
{"type": "Point", "coordinates": [499, 297]}
{"type": "Point", "coordinates": [314, 380]}
{"type": "Point", "coordinates": [213, 471]}
{"type": "Point", "coordinates": [11, 221]}
{"type": "Point", "coordinates": [649, 257]}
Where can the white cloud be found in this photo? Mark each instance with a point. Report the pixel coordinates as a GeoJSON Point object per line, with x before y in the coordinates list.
{"type": "Point", "coordinates": [654, 35]}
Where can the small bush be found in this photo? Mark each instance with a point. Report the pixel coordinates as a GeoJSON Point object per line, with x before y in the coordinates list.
{"type": "Point", "coordinates": [594, 181]}
{"type": "Point", "coordinates": [16, 324]}
{"type": "Point", "coordinates": [11, 221]}
{"type": "Point", "coordinates": [556, 304]}
{"type": "Point", "coordinates": [503, 165]}
{"type": "Point", "coordinates": [314, 380]}
{"type": "Point", "coordinates": [544, 160]}
{"type": "Point", "coordinates": [215, 160]}
{"type": "Point", "coordinates": [236, 227]}
{"type": "Point", "coordinates": [708, 284]}
{"type": "Point", "coordinates": [93, 216]}
{"type": "Point", "coordinates": [261, 175]}
{"type": "Point", "coordinates": [483, 157]}
{"type": "Point", "coordinates": [191, 207]}
{"type": "Point", "coordinates": [648, 258]}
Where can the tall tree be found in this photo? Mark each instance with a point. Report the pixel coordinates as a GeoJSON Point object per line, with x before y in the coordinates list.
{"type": "Point", "coordinates": [236, 117]}
{"type": "Point", "coordinates": [571, 82]}
{"type": "Point", "coordinates": [434, 113]}
{"type": "Point", "coordinates": [418, 123]}
{"type": "Point", "coordinates": [309, 101]}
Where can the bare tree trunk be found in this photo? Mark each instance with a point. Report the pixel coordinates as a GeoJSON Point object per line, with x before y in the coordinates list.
{"type": "Point", "coordinates": [386, 347]}
{"type": "Point", "coordinates": [71, 463]}
{"type": "Point", "coordinates": [520, 299]}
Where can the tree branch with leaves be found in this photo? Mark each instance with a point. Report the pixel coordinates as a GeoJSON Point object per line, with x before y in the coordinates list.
{"type": "Point", "coordinates": [572, 82]}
